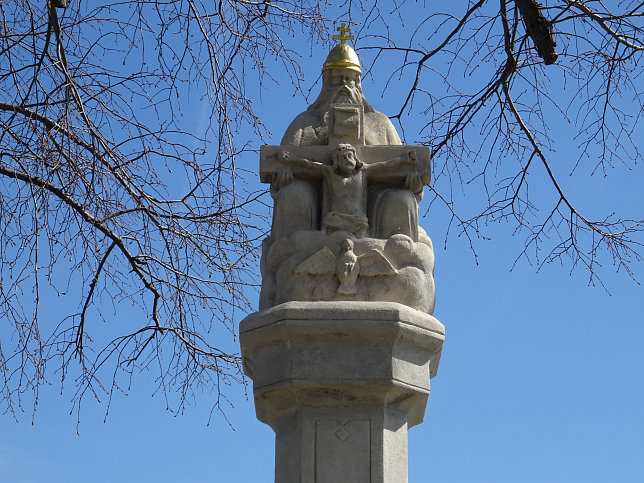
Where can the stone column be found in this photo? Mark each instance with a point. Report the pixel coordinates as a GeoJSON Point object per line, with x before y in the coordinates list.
{"type": "Point", "coordinates": [341, 383]}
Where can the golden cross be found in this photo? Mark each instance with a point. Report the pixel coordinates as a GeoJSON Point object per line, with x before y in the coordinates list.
{"type": "Point", "coordinates": [343, 37]}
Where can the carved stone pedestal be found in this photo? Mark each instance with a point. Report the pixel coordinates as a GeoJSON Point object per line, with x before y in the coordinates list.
{"type": "Point", "coordinates": [341, 383]}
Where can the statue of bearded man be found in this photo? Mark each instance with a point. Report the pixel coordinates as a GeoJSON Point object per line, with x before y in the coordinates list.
{"type": "Point", "coordinates": [339, 86]}
{"type": "Point", "coordinates": [391, 211]}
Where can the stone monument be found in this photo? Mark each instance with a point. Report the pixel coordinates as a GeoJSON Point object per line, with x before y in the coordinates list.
{"type": "Point", "coordinates": [344, 344]}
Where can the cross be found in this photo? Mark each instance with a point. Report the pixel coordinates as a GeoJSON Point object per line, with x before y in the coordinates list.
{"type": "Point", "coordinates": [343, 37]}
{"type": "Point", "coordinates": [268, 165]}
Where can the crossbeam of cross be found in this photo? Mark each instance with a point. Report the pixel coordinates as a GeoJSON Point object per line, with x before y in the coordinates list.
{"type": "Point", "coordinates": [269, 165]}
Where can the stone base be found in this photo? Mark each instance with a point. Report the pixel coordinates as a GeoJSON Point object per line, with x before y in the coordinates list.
{"type": "Point", "coordinates": [340, 383]}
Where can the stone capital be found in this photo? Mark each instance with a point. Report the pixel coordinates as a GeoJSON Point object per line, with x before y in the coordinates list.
{"type": "Point", "coordinates": [340, 381]}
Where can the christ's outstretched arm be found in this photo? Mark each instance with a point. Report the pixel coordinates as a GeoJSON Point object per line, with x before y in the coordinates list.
{"type": "Point", "coordinates": [407, 159]}
{"type": "Point", "coordinates": [284, 157]}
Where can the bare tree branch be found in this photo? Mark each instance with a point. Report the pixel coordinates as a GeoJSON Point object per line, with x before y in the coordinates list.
{"type": "Point", "coordinates": [127, 130]}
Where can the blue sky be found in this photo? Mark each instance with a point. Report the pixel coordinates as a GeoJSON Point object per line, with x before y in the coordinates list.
{"type": "Point", "coordinates": [541, 379]}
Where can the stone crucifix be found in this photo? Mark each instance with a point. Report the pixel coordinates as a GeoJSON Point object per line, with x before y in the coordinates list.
{"type": "Point", "coordinates": [345, 179]}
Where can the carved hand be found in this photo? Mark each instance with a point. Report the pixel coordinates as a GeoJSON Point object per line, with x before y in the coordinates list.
{"type": "Point", "coordinates": [414, 183]}
{"type": "Point", "coordinates": [283, 177]}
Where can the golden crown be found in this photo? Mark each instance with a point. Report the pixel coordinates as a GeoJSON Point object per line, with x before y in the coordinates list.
{"type": "Point", "coordinates": [342, 56]}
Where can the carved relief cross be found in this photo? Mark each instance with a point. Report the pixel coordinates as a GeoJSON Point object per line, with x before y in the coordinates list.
{"type": "Point", "coordinates": [268, 165]}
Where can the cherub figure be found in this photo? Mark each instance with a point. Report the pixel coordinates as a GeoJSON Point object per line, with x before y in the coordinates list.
{"type": "Point", "coordinates": [345, 185]}
{"type": "Point", "coordinates": [346, 266]}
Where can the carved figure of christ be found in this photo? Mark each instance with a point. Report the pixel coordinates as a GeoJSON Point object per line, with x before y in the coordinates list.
{"type": "Point", "coordinates": [345, 183]}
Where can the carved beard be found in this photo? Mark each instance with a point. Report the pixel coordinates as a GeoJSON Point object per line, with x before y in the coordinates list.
{"type": "Point", "coordinates": [341, 95]}
{"type": "Point", "coordinates": [346, 95]}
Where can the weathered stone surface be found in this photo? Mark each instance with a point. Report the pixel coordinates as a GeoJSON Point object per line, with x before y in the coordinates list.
{"type": "Point", "coordinates": [341, 91]}
{"type": "Point", "coordinates": [343, 348]}
{"type": "Point", "coordinates": [341, 177]}
{"type": "Point", "coordinates": [370, 209]}
{"type": "Point", "coordinates": [295, 269]}
{"type": "Point", "coordinates": [341, 381]}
